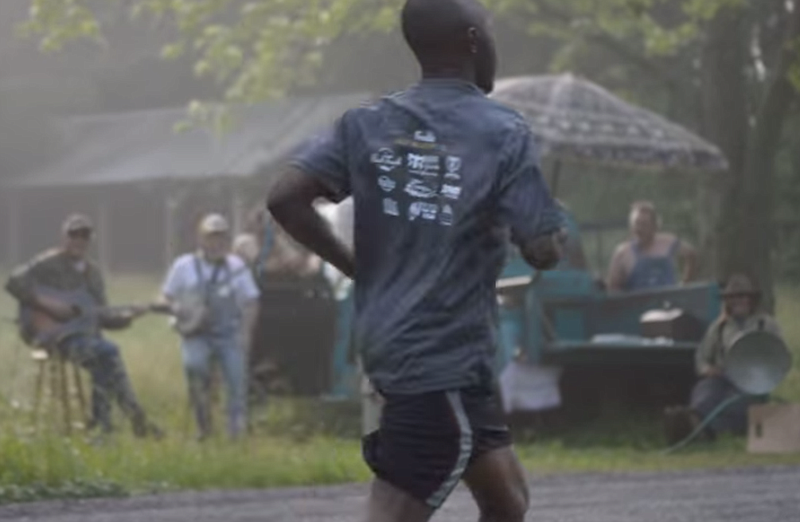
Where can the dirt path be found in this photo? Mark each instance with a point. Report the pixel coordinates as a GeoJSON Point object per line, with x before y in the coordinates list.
{"type": "Point", "coordinates": [754, 495]}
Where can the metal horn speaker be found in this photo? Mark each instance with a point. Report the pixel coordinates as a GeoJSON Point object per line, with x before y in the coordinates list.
{"type": "Point", "coordinates": [757, 362]}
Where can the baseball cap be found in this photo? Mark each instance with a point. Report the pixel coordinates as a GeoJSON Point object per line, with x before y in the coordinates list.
{"type": "Point", "coordinates": [77, 222]}
{"type": "Point", "coordinates": [740, 285]}
{"type": "Point", "coordinates": [213, 223]}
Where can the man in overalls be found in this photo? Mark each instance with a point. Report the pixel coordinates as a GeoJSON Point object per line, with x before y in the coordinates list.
{"type": "Point", "coordinates": [740, 314]}
{"type": "Point", "coordinates": [230, 296]}
{"type": "Point", "coordinates": [649, 260]}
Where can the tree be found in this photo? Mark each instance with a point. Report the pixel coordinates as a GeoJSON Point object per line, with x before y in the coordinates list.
{"type": "Point", "coordinates": [252, 49]}
{"type": "Point", "coordinates": [734, 64]}
{"type": "Point", "coordinates": [726, 67]}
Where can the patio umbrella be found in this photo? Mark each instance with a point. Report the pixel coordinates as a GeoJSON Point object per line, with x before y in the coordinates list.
{"type": "Point", "coordinates": [575, 119]}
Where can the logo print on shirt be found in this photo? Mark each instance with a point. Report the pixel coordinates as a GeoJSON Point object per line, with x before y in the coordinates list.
{"type": "Point", "coordinates": [425, 136]}
{"type": "Point", "coordinates": [386, 159]}
{"type": "Point", "coordinates": [426, 211]}
{"type": "Point", "coordinates": [419, 189]}
{"type": "Point", "coordinates": [386, 183]}
{"type": "Point", "coordinates": [423, 165]}
{"type": "Point", "coordinates": [390, 207]}
{"type": "Point", "coordinates": [453, 166]}
{"type": "Point", "coordinates": [446, 217]}
{"type": "Point", "coordinates": [451, 191]}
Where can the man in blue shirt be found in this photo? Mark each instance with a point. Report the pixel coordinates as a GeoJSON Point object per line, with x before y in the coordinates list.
{"type": "Point", "coordinates": [441, 177]}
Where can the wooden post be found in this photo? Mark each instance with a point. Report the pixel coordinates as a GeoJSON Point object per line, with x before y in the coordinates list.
{"type": "Point", "coordinates": [600, 248]}
{"type": "Point", "coordinates": [708, 212]}
{"type": "Point", "coordinates": [171, 204]}
{"type": "Point", "coordinates": [13, 232]}
{"type": "Point", "coordinates": [104, 246]}
{"type": "Point", "coordinates": [238, 209]}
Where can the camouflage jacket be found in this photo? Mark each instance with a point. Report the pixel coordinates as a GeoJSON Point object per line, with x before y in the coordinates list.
{"type": "Point", "coordinates": [721, 334]}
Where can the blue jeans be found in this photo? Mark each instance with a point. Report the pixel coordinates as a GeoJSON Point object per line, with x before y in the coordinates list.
{"type": "Point", "coordinates": [710, 392]}
{"type": "Point", "coordinates": [198, 353]}
{"type": "Point", "coordinates": [102, 360]}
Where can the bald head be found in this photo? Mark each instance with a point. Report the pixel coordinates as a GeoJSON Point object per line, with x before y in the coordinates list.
{"type": "Point", "coordinates": [451, 38]}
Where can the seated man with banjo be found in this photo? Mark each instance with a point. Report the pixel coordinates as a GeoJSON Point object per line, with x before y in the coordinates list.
{"type": "Point", "coordinates": [63, 309]}
{"type": "Point", "coordinates": [214, 299]}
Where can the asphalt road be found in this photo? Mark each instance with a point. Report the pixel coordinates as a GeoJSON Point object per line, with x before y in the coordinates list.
{"type": "Point", "coordinates": [754, 495]}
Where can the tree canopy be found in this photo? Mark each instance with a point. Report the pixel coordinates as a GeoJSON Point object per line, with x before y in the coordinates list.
{"type": "Point", "coordinates": [255, 49]}
{"type": "Point", "coordinates": [727, 68]}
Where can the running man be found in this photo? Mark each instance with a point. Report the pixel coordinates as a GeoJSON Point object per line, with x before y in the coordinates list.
{"type": "Point", "coordinates": [441, 177]}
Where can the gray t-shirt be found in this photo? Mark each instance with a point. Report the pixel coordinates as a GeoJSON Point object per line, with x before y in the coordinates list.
{"type": "Point", "coordinates": [439, 175]}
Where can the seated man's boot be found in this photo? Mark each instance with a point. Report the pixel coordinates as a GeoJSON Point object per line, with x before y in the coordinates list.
{"type": "Point", "coordinates": [678, 424]}
{"type": "Point", "coordinates": [150, 430]}
{"type": "Point", "coordinates": [144, 428]}
{"type": "Point", "coordinates": [708, 434]}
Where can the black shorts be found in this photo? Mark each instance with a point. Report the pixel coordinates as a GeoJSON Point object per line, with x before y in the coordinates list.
{"type": "Point", "coordinates": [426, 442]}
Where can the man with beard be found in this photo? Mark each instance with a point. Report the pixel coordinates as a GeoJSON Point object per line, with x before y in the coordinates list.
{"type": "Point", "coordinates": [741, 313]}
{"type": "Point", "coordinates": [68, 269]}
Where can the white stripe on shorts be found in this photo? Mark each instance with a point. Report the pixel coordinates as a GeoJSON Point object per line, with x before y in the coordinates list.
{"type": "Point", "coordinates": [464, 452]}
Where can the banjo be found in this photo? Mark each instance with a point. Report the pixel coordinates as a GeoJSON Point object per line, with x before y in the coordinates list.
{"type": "Point", "coordinates": [189, 309]}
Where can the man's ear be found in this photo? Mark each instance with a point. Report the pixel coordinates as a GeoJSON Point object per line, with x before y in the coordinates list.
{"type": "Point", "coordinates": [472, 38]}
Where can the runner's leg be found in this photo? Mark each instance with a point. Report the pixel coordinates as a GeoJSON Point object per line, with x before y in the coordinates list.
{"type": "Point", "coordinates": [418, 455]}
{"type": "Point", "coordinates": [497, 482]}
{"type": "Point", "coordinates": [387, 503]}
{"type": "Point", "coordinates": [494, 475]}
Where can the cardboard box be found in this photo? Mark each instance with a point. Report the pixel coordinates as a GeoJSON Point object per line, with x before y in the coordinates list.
{"type": "Point", "coordinates": [773, 428]}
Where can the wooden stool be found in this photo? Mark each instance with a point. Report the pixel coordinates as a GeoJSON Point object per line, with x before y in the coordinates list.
{"type": "Point", "coordinates": [60, 389]}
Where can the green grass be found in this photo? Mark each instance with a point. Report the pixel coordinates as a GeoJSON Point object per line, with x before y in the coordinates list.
{"type": "Point", "coordinates": [295, 442]}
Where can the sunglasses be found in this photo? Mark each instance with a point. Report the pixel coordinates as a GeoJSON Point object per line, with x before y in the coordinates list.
{"type": "Point", "coordinates": [83, 233]}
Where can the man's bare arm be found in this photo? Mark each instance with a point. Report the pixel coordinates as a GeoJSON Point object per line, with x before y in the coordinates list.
{"type": "Point", "coordinates": [291, 203]}
{"type": "Point", "coordinates": [616, 271]}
